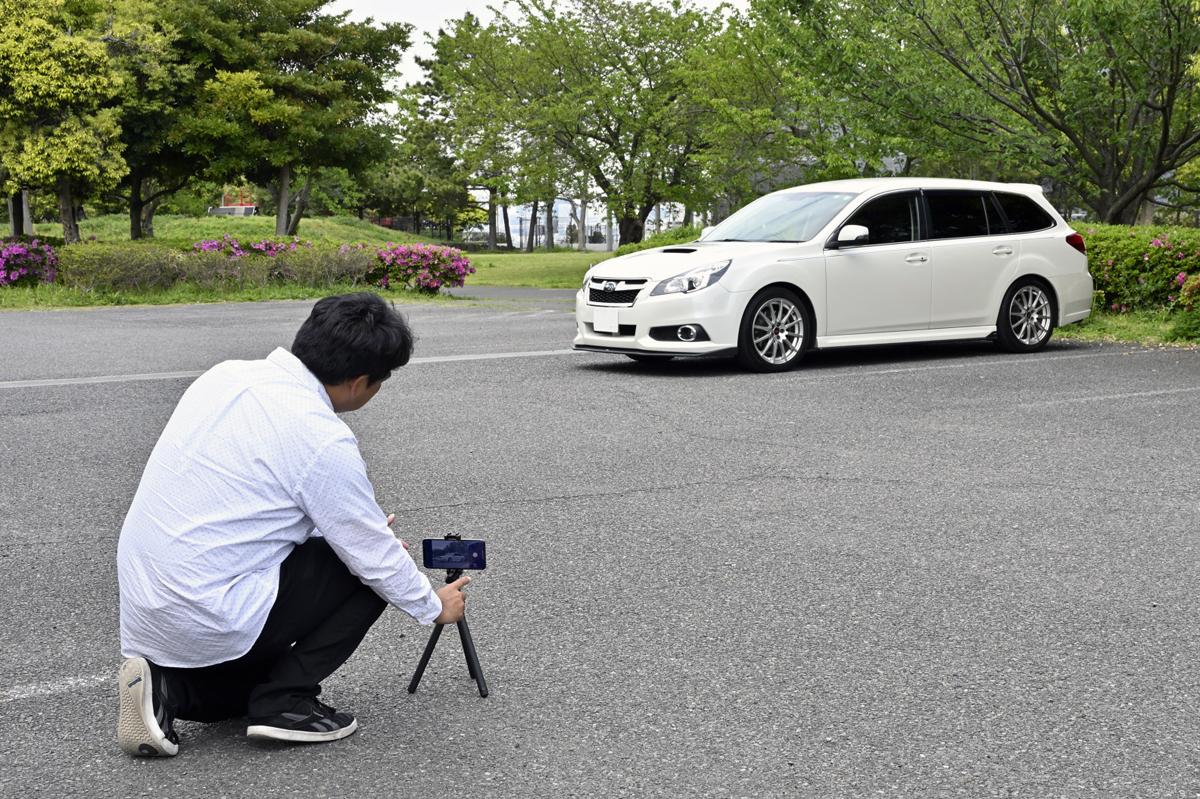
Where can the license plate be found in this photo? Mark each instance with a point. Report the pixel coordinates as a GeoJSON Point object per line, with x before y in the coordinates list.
{"type": "Point", "coordinates": [605, 320]}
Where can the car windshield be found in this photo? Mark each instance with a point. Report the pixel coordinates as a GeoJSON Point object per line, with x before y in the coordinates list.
{"type": "Point", "coordinates": [789, 216]}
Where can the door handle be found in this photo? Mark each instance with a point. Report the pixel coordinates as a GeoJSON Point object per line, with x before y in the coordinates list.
{"type": "Point", "coordinates": [916, 258]}
{"type": "Point", "coordinates": [1002, 251]}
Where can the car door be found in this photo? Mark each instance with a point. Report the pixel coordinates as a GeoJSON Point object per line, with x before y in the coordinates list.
{"type": "Point", "coordinates": [882, 285]}
{"type": "Point", "coordinates": [973, 253]}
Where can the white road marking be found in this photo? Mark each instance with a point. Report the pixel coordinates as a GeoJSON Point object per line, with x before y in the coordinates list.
{"type": "Point", "coordinates": [82, 381]}
{"type": "Point", "coordinates": [1104, 397]}
{"type": "Point", "coordinates": [34, 690]}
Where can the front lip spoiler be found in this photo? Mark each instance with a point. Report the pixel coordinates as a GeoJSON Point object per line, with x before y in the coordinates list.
{"type": "Point", "coordinates": [630, 351]}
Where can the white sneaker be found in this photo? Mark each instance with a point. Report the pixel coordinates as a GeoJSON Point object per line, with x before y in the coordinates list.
{"type": "Point", "coordinates": [142, 728]}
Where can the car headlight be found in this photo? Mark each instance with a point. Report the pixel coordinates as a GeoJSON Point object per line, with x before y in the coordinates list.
{"type": "Point", "coordinates": [586, 277]}
{"type": "Point", "coordinates": [693, 280]}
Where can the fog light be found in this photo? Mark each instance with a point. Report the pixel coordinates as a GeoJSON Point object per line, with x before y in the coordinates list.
{"type": "Point", "coordinates": [686, 333]}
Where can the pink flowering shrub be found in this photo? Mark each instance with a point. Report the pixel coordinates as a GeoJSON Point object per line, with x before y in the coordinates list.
{"type": "Point", "coordinates": [26, 262]}
{"type": "Point", "coordinates": [235, 248]}
{"type": "Point", "coordinates": [1140, 268]}
{"type": "Point", "coordinates": [423, 267]}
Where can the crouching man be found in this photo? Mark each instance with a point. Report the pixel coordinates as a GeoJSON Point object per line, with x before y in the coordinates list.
{"type": "Point", "coordinates": [254, 557]}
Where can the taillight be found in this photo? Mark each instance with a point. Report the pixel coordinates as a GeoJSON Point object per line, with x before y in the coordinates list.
{"type": "Point", "coordinates": [1076, 241]}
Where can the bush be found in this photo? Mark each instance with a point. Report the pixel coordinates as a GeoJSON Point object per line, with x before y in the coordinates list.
{"type": "Point", "coordinates": [679, 235]}
{"type": "Point", "coordinates": [424, 267]}
{"type": "Point", "coordinates": [120, 267]}
{"type": "Point", "coordinates": [320, 266]}
{"type": "Point", "coordinates": [26, 262]}
{"type": "Point", "coordinates": [1140, 268]}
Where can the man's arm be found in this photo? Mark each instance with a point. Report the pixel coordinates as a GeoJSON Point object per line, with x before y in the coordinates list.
{"type": "Point", "coordinates": [338, 497]}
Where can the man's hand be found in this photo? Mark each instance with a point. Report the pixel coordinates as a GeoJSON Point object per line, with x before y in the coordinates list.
{"type": "Point", "coordinates": [454, 601]}
{"type": "Point", "coordinates": [391, 518]}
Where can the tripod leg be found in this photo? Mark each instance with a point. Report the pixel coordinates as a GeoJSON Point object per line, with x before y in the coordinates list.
{"type": "Point", "coordinates": [473, 667]}
{"type": "Point", "coordinates": [433, 638]}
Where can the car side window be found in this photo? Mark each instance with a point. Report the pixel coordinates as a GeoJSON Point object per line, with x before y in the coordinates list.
{"type": "Point", "coordinates": [890, 218]}
{"type": "Point", "coordinates": [956, 214]}
{"type": "Point", "coordinates": [1024, 215]}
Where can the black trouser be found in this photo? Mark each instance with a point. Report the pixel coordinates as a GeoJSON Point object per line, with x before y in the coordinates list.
{"type": "Point", "coordinates": [319, 618]}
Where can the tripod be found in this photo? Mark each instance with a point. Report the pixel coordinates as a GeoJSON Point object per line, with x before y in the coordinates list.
{"type": "Point", "coordinates": [464, 632]}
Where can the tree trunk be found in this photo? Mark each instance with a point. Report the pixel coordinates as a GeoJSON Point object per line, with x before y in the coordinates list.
{"type": "Point", "coordinates": [583, 237]}
{"type": "Point", "coordinates": [16, 214]}
{"type": "Point", "coordinates": [66, 213]}
{"type": "Point", "coordinates": [532, 226]}
{"type": "Point", "coordinates": [608, 233]}
{"type": "Point", "coordinates": [293, 225]}
{"type": "Point", "coordinates": [491, 241]}
{"type": "Point", "coordinates": [136, 205]}
{"type": "Point", "coordinates": [631, 229]}
{"type": "Point", "coordinates": [285, 200]}
{"type": "Point", "coordinates": [148, 212]}
{"type": "Point", "coordinates": [550, 225]}
{"type": "Point", "coordinates": [508, 240]}
{"type": "Point", "coordinates": [688, 220]}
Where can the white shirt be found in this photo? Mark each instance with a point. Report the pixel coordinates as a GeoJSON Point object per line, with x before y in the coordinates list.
{"type": "Point", "coordinates": [252, 462]}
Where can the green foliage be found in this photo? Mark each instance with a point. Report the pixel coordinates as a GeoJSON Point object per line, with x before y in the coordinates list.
{"type": "Point", "coordinates": [1094, 94]}
{"type": "Point", "coordinates": [679, 235]}
{"type": "Point", "coordinates": [56, 77]}
{"type": "Point", "coordinates": [1139, 268]}
{"type": "Point", "coordinates": [577, 92]}
{"type": "Point", "coordinates": [102, 267]}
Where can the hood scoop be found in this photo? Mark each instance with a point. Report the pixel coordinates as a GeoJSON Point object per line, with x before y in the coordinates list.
{"type": "Point", "coordinates": [680, 250]}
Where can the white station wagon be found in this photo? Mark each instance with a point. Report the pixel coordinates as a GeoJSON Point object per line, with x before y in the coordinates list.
{"type": "Point", "coordinates": [845, 263]}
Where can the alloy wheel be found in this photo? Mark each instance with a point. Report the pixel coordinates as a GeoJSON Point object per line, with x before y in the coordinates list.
{"type": "Point", "coordinates": [1029, 315]}
{"type": "Point", "coordinates": [778, 331]}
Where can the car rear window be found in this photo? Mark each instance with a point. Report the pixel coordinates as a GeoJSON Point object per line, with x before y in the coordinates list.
{"type": "Point", "coordinates": [955, 214]}
{"type": "Point", "coordinates": [1023, 213]}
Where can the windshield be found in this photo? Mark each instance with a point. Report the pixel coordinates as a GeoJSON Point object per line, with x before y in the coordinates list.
{"type": "Point", "coordinates": [788, 216]}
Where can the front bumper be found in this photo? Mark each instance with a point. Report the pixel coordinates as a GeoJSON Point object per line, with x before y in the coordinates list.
{"type": "Point", "coordinates": [717, 311]}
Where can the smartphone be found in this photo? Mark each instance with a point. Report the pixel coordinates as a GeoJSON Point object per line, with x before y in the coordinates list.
{"type": "Point", "coordinates": [452, 553]}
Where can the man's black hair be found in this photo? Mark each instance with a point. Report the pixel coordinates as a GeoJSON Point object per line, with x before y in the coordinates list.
{"type": "Point", "coordinates": [351, 335]}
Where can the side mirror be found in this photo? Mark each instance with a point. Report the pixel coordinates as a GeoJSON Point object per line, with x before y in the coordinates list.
{"type": "Point", "coordinates": [705, 231]}
{"type": "Point", "coordinates": [851, 235]}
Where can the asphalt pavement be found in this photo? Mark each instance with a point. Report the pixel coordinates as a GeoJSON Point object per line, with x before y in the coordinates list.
{"type": "Point", "coordinates": [926, 571]}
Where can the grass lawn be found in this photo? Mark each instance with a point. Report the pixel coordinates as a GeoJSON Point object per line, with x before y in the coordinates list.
{"type": "Point", "coordinates": [1150, 328]}
{"type": "Point", "coordinates": [183, 231]}
{"type": "Point", "coordinates": [543, 270]}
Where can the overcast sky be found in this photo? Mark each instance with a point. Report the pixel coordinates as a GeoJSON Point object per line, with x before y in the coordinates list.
{"type": "Point", "coordinates": [426, 17]}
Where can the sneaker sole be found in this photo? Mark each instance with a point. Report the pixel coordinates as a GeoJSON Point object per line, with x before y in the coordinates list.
{"type": "Point", "coordinates": [137, 731]}
{"type": "Point", "coordinates": [264, 732]}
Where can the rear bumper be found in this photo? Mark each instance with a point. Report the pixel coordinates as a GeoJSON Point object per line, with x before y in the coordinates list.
{"type": "Point", "coordinates": [1074, 293]}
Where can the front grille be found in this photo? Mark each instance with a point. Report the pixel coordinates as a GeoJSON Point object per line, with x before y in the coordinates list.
{"type": "Point", "coordinates": [613, 297]}
{"type": "Point", "coordinates": [623, 293]}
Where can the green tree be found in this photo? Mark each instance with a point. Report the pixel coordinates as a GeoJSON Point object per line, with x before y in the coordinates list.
{"type": "Point", "coordinates": [56, 77]}
{"type": "Point", "coordinates": [593, 87]}
{"type": "Point", "coordinates": [159, 90]}
{"type": "Point", "coordinates": [292, 88]}
{"type": "Point", "coordinates": [1093, 94]}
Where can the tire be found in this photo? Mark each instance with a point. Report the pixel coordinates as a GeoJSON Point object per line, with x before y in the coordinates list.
{"type": "Point", "coordinates": [776, 331]}
{"type": "Point", "coordinates": [648, 358]}
{"type": "Point", "coordinates": [1026, 319]}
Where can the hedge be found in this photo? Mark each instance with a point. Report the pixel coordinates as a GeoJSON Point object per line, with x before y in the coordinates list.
{"type": "Point", "coordinates": [1140, 268]}
{"type": "Point", "coordinates": [228, 263]}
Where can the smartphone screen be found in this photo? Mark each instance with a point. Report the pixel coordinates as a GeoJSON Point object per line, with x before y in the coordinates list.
{"type": "Point", "coordinates": [450, 553]}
